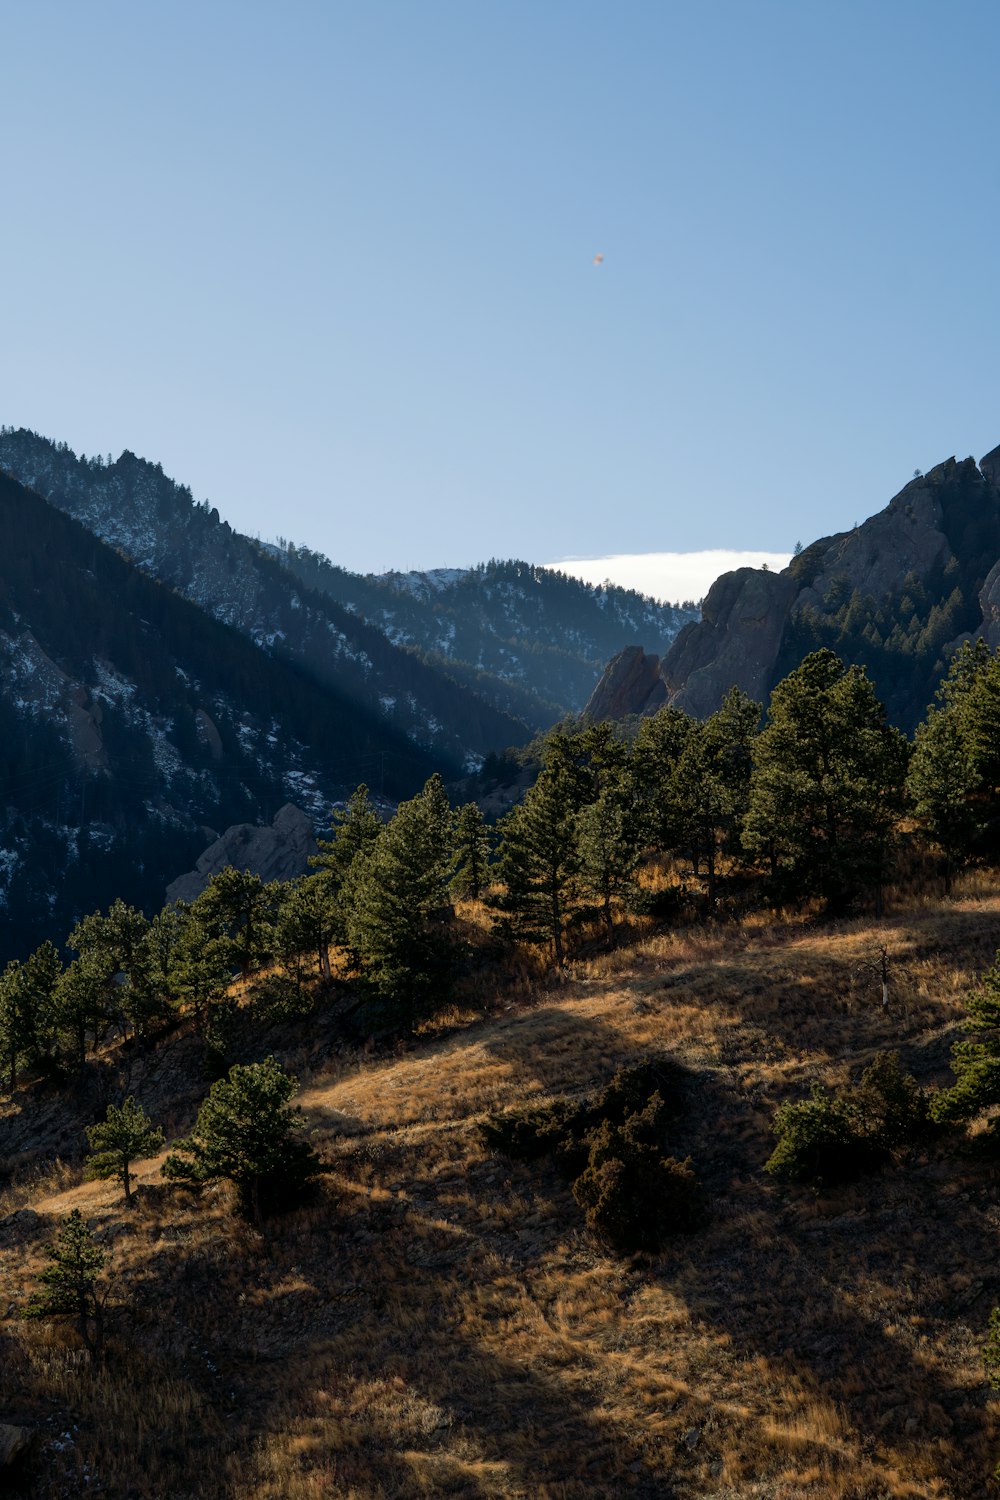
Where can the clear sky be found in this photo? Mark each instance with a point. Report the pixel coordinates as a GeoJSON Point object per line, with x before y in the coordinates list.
{"type": "Point", "coordinates": [332, 264]}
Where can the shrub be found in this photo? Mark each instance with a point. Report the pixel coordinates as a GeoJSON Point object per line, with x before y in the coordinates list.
{"type": "Point", "coordinates": [633, 1196]}
{"type": "Point", "coordinates": [815, 1141]}
{"type": "Point", "coordinates": [835, 1137]}
{"type": "Point", "coordinates": [888, 1107]}
{"type": "Point", "coordinates": [562, 1128]}
{"type": "Point", "coordinates": [527, 1134]}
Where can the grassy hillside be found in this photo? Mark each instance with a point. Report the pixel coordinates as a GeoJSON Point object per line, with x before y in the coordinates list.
{"type": "Point", "coordinates": [439, 1322]}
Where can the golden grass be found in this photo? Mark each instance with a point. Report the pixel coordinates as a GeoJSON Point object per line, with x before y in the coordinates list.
{"type": "Point", "coordinates": [438, 1322]}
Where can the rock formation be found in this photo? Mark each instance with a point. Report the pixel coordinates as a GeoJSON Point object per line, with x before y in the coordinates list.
{"type": "Point", "coordinates": [278, 852]}
{"type": "Point", "coordinates": [630, 684]}
{"type": "Point", "coordinates": [897, 593]}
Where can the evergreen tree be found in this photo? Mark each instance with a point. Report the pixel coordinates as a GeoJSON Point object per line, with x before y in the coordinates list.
{"type": "Point", "coordinates": [200, 966]}
{"type": "Point", "coordinates": [976, 1063]}
{"type": "Point", "coordinates": [116, 944]}
{"type": "Point", "coordinates": [658, 747]}
{"type": "Point", "coordinates": [355, 828]}
{"type": "Point", "coordinates": [246, 1133]}
{"type": "Point", "coordinates": [236, 912]}
{"type": "Point", "coordinates": [539, 861]}
{"type": "Point", "coordinates": [80, 1009]}
{"type": "Point", "coordinates": [397, 903]}
{"type": "Point", "coordinates": [827, 782]}
{"type": "Point", "coordinates": [71, 1283]}
{"type": "Point", "coordinates": [608, 849]}
{"type": "Point", "coordinates": [472, 853]}
{"type": "Point", "coordinates": [941, 785]}
{"type": "Point", "coordinates": [711, 781]}
{"type": "Point", "coordinates": [308, 922]}
{"type": "Point", "coordinates": [125, 1135]}
{"type": "Point", "coordinates": [28, 1012]}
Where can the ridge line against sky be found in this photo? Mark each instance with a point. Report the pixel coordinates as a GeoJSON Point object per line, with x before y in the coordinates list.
{"type": "Point", "coordinates": [438, 281]}
{"type": "Point", "coordinates": [671, 577]}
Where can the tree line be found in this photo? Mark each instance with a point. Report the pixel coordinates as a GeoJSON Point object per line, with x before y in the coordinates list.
{"type": "Point", "coordinates": [807, 806]}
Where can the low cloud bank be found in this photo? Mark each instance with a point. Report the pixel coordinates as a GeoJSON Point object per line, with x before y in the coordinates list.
{"type": "Point", "coordinates": [674, 576]}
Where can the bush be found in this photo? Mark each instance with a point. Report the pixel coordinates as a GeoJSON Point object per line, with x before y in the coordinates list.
{"type": "Point", "coordinates": [562, 1128]}
{"type": "Point", "coordinates": [613, 1144]}
{"type": "Point", "coordinates": [528, 1134]}
{"type": "Point", "coordinates": [831, 1138]}
{"type": "Point", "coordinates": [815, 1141]}
{"type": "Point", "coordinates": [888, 1107]}
{"type": "Point", "coordinates": [633, 1196]}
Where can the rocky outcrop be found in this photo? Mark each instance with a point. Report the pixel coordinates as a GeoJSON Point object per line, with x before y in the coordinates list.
{"type": "Point", "coordinates": [630, 684]}
{"type": "Point", "coordinates": [279, 851]}
{"type": "Point", "coordinates": [735, 644]}
{"type": "Point", "coordinates": [942, 530]}
{"type": "Point", "coordinates": [16, 1446]}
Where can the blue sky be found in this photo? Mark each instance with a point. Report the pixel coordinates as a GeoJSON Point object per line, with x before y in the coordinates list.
{"type": "Point", "coordinates": [332, 264]}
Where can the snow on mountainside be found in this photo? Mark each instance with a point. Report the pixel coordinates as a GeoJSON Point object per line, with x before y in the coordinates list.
{"type": "Point", "coordinates": [134, 727]}
{"type": "Point", "coordinates": [532, 639]}
{"type": "Point", "coordinates": [133, 506]}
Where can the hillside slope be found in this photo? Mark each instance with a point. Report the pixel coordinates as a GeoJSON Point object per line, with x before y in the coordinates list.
{"type": "Point", "coordinates": [133, 724]}
{"type": "Point", "coordinates": [133, 506]}
{"type": "Point", "coordinates": [530, 639]}
{"type": "Point", "coordinates": [439, 1322]}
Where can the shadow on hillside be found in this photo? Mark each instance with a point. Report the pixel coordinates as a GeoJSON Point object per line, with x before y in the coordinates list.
{"type": "Point", "coordinates": [445, 1412]}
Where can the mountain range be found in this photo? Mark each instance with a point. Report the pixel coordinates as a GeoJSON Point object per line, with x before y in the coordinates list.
{"type": "Point", "coordinates": [165, 678]}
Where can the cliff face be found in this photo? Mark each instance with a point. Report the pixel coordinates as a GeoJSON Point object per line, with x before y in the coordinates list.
{"type": "Point", "coordinates": [896, 595]}
{"type": "Point", "coordinates": [631, 684]}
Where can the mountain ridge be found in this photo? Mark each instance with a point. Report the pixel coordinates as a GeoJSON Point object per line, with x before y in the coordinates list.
{"type": "Point", "coordinates": [897, 594]}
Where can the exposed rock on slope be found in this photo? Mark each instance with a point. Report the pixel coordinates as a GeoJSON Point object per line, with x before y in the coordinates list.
{"type": "Point", "coordinates": [631, 684]}
{"type": "Point", "coordinates": [896, 594]}
{"type": "Point", "coordinates": [736, 641]}
{"type": "Point", "coordinates": [279, 851]}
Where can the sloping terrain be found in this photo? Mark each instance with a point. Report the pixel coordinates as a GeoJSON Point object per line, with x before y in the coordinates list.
{"type": "Point", "coordinates": [529, 639]}
{"type": "Point", "coordinates": [134, 726]}
{"type": "Point", "coordinates": [439, 1322]}
{"type": "Point", "coordinates": [134, 507]}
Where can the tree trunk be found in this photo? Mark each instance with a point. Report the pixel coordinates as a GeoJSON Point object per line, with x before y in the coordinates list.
{"type": "Point", "coordinates": [126, 1182]}
{"type": "Point", "coordinates": [609, 921]}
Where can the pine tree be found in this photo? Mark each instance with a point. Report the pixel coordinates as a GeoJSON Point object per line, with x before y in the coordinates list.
{"type": "Point", "coordinates": [236, 911]}
{"type": "Point", "coordinates": [28, 1012]}
{"type": "Point", "coordinates": [827, 782]}
{"type": "Point", "coordinates": [941, 785]}
{"type": "Point", "coordinates": [308, 922]}
{"type": "Point", "coordinates": [608, 849]}
{"type": "Point", "coordinates": [539, 861]}
{"type": "Point", "coordinates": [246, 1133]}
{"type": "Point", "coordinates": [658, 748]}
{"type": "Point", "coordinates": [397, 903]}
{"type": "Point", "coordinates": [976, 1063]}
{"type": "Point", "coordinates": [124, 1136]}
{"type": "Point", "coordinates": [472, 853]}
{"type": "Point", "coordinates": [71, 1283]}
{"type": "Point", "coordinates": [711, 781]}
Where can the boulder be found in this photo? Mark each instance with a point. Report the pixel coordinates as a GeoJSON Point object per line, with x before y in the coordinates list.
{"type": "Point", "coordinates": [16, 1444]}
{"type": "Point", "coordinates": [278, 851]}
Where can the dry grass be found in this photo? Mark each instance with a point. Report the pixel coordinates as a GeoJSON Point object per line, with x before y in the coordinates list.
{"type": "Point", "coordinates": [438, 1323]}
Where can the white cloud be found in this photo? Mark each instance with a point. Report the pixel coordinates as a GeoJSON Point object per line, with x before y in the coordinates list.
{"type": "Point", "coordinates": [668, 575]}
